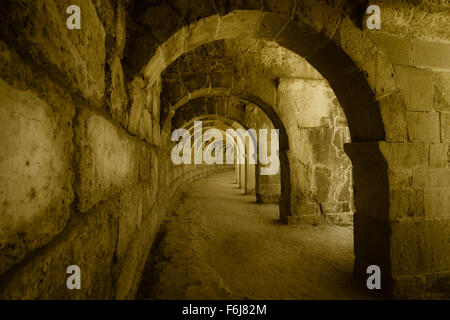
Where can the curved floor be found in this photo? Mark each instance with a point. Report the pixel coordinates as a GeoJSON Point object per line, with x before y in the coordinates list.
{"type": "Point", "coordinates": [219, 244]}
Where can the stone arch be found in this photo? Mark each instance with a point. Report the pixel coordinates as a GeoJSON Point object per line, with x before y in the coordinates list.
{"type": "Point", "coordinates": [284, 201]}
{"type": "Point", "coordinates": [335, 50]}
{"type": "Point", "coordinates": [241, 95]}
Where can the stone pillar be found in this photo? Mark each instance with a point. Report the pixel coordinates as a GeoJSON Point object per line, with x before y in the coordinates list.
{"type": "Point", "coordinates": [372, 230]}
{"type": "Point", "coordinates": [249, 172]}
{"type": "Point", "coordinates": [402, 200]}
{"type": "Point", "coordinates": [241, 176]}
{"type": "Point", "coordinates": [285, 198]}
{"type": "Point", "coordinates": [268, 187]}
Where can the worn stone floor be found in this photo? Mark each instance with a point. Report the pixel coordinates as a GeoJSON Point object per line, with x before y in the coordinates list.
{"type": "Point", "coordinates": [218, 243]}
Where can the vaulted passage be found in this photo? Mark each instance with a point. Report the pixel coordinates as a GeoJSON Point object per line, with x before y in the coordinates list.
{"type": "Point", "coordinates": [336, 136]}
{"type": "Point", "coordinates": [218, 243]}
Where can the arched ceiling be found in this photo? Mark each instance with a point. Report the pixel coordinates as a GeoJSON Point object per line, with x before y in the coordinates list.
{"type": "Point", "coordinates": [227, 107]}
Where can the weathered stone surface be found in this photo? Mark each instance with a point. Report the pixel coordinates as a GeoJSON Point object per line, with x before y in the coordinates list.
{"type": "Point", "coordinates": [440, 91]}
{"type": "Point", "coordinates": [437, 200]}
{"type": "Point", "coordinates": [406, 155]}
{"type": "Point", "coordinates": [118, 96]}
{"type": "Point", "coordinates": [400, 178]}
{"type": "Point", "coordinates": [439, 155]}
{"type": "Point", "coordinates": [127, 59]}
{"type": "Point", "coordinates": [406, 203]}
{"type": "Point", "coordinates": [36, 174]}
{"type": "Point", "coordinates": [305, 101]}
{"type": "Point", "coordinates": [380, 74]}
{"type": "Point", "coordinates": [394, 116]}
{"type": "Point", "coordinates": [237, 24]}
{"type": "Point", "coordinates": [445, 127]}
{"type": "Point", "coordinates": [419, 246]}
{"type": "Point", "coordinates": [430, 178]}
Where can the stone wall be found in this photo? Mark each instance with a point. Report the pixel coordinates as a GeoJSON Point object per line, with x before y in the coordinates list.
{"type": "Point", "coordinates": [321, 173]}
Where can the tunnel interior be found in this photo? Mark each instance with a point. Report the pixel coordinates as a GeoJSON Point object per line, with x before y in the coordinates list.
{"type": "Point", "coordinates": [323, 147]}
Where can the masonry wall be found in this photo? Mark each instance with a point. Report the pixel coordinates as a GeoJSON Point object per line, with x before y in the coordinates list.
{"type": "Point", "coordinates": [321, 172]}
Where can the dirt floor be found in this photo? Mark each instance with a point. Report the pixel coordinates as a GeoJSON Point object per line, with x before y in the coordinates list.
{"type": "Point", "coordinates": [219, 244]}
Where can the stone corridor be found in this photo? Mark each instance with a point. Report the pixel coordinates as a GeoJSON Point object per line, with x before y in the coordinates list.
{"type": "Point", "coordinates": [218, 243]}
{"type": "Point", "coordinates": [106, 106]}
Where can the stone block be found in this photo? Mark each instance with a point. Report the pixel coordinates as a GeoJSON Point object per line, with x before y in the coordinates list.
{"type": "Point", "coordinates": [304, 208]}
{"type": "Point", "coordinates": [400, 178]}
{"type": "Point", "coordinates": [36, 173]}
{"type": "Point", "coordinates": [201, 32]}
{"type": "Point", "coordinates": [445, 127]}
{"type": "Point", "coordinates": [137, 96]}
{"type": "Point", "coordinates": [118, 95]}
{"type": "Point", "coordinates": [438, 285]}
{"type": "Point", "coordinates": [174, 46]}
{"type": "Point", "coordinates": [437, 202]}
{"type": "Point", "coordinates": [430, 178]}
{"type": "Point", "coordinates": [441, 93]}
{"type": "Point", "coordinates": [108, 160]}
{"type": "Point", "coordinates": [406, 203]}
{"type": "Point", "coordinates": [134, 207]}
{"type": "Point", "coordinates": [409, 287]}
{"type": "Point", "coordinates": [417, 88]}
{"type": "Point", "coordinates": [89, 242]}
{"type": "Point", "coordinates": [335, 207]}
{"type": "Point", "coordinates": [397, 48]}
{"type": "Point", "coordinates": [394, 117]}
{"type": "Point", "coordinates": [372, 246]}
{"type": "Point", "coordinates": [380, 74]}
{"type": "Point", "coordinates": [439, 155]}
{"type": "Point", "coordinates": [428, 54]}
{"type": "Point", "coordinates": [268, 26]}
{"type": "Point", "coordinates": [76, 57]}
{"type": "Point", "coordinates": [237, 24]}
{"type": "Point", "coordinates": [405, 155]}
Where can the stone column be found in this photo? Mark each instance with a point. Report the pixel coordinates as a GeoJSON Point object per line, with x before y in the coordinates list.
{"type": "Point", "coordinates": [402, 218]}
{"type": "Point", "coordinates": [320, 172]}
{"type": "Point", "coordinates": [372, 229]}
